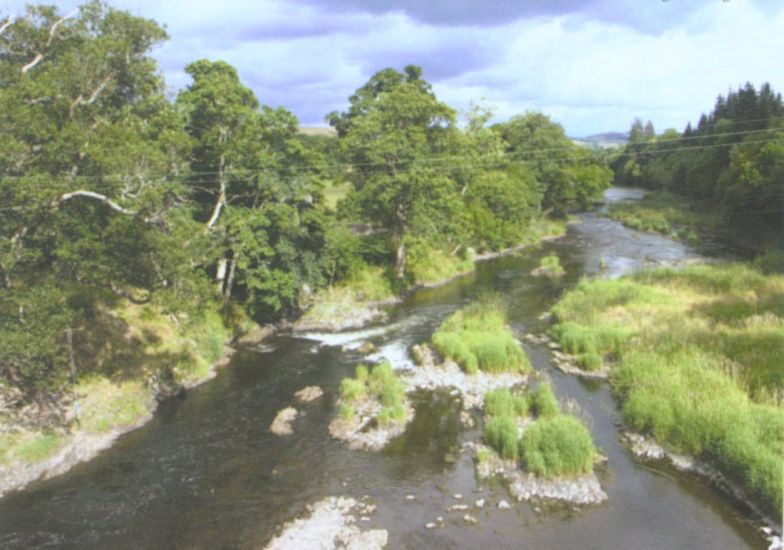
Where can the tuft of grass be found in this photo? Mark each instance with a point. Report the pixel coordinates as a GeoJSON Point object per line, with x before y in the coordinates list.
{"type": "Point", "coordinates": [501, 434]}
{"type": "Point", "coordinates": [478, 338]}
{"type": "Point", "coordinates": [502, 402]}
{"type": "Point", "coordinates": [550, 266]}
{"type": "Point", "coordinates": [347, 412]}
{"type": "Point", "coordinates": [352, 389]}
{"type": "Point", "coordinates": [429, 265]}
{"type": "Point", "coordinates": [543, 402]}
{"type": "Point", "coordinates": [557, 446]}
{"type": "Point", "coordinates": [665, 213]}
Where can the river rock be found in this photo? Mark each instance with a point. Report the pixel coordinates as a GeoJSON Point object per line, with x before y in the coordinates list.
{"type": "Point", "coordinates": [504, 505]}
{"type": "Point", "coordinates": [308, 394]}
{"type": "Point", "coordinates": [329, 525]}
{"type": "Point", "coordinates": [471, 387]}
{"type": "Point", "coordinates": [585, 489]}
{"type": "Point", "coordinates": [282, 423]}
{"type": "Point", "coordinates": [469, 519]}
{"type": "Point", "coordinates": [367, 348]}
{"type": "Point", "coordinates": [353, 431]}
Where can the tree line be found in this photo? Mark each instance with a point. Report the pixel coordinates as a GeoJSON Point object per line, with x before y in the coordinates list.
{"type": "Point", "coordinates": [732, 162]}
{"type": "Point", "coordinates": [213, 200]}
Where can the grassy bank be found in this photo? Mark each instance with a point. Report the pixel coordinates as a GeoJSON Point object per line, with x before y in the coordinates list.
{"type": "Point", "coordinates": [553, 445]}
{"type": "Point", "coordinates": [667, 214]}
{"type": "Point", "coordinates": [131, 353]}
{"type": "Point", "coordinates": [696, 356]}
{"type": "Point", "coordinates": [351, 302]}
{"type": "Point", "coordinates": [478, 338]}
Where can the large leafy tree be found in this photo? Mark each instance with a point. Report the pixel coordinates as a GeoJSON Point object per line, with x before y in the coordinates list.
{"type": "Point", "coordinates": [393, 135]}
{"type": "Point", "coordinates": [89, 157]}
{"type": "Point", "coordinates": [257, 190]}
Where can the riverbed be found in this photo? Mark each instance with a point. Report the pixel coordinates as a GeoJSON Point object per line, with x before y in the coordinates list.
{"type": "Point", "coordinates": [207, 473]}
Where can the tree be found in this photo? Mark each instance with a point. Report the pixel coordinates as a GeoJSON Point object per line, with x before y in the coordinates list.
{"type": "Point", "coordinates": [391, 135]}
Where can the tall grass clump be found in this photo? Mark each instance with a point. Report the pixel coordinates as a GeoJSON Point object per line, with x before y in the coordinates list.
{"type": "Point", "coordinates": [502, 402]}
{"type": "Point", "coordinates": [381, 384]}
{"type": "Point", "coordinates": [478, 337]}
{"type": "Point", "coordinates": [543, 402]}
{"type": "Point", "coordinates": [550, 266]}
{"type": "Point", "coordinates": [557, 446]}
{"type": "Point", "coordinates": [501, 434]}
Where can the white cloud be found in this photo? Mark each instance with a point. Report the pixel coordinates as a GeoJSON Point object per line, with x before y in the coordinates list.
{"type": "Point", "coordinates": [591, 69]}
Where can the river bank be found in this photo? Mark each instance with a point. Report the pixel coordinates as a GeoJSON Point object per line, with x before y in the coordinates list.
{"type": "Point", "coordinates": [102, 409]}
{"type": "Point", "coordinates": [360, 301]}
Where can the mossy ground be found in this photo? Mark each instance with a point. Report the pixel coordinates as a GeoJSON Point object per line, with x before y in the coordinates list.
{"type": "Point", "coordinates": [698, 355]}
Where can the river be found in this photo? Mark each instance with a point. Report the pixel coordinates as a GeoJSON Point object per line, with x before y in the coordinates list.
{"type": "Point", "coordinates": [206, 473]}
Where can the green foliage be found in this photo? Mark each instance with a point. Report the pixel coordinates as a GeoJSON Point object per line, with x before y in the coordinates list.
{"type": "Point", "coordinates": [351, 389]}
{"type": "Point", "coordinates": [699, 353]}
{"type": "Point", "coordinates": [501, 434]}
{"type": "Point", "coordinates": [662, 212]}
{"type": "Point", "coordinates": [731, 164]}
{"type": "Point", "coordinates": [502, 402]}
{"type": "Point", "coordinates": [347, 412]}
{"type": "Point", "coordinates": [550, 266]}
{"type": "Point", "coordinates": [557, 446]}
{"type": "Point", "coordinates": [478, 338]}
{"type": "Point", "coordinates": [543, 402]}
{"type": "Point", "coordinates": [39, 447]}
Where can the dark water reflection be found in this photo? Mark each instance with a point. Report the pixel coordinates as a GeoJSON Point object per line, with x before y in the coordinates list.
{"type": "Point", "coordinates": [206, 473]}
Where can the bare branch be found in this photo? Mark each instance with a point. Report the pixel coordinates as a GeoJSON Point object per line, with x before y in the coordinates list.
{"type": "Point", "coordinates": [52, 30]}
{"type": "Point", "coordinates": [8, 22]}
{"type": "Point", "coordinates": [96, 196]}
{"type": "Point", "coordinates": [218, 206]}
{"type": "Point", "coordinates": [93, 96]}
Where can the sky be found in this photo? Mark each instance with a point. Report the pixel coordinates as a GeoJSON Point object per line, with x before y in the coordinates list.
{"type": "Point", "coordinates": [592, 65]}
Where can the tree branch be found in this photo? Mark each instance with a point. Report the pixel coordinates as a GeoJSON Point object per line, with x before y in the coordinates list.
{"type": "Point", "coordinates": [8, 22]}
{"type": "Point", "coordinates": [96, 196]}
{"type": "Point", "coordinates": [52, 30]}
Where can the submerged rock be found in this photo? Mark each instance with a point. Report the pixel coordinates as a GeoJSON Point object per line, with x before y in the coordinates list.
{"type": "Point", "coordinates": [329, 525]}
{"type": "Point", "coordinates": [282, 423]}
{"type": "Point", "coordinates": [309, 393]}
{"type": "Point", "coordinates": [584, 489]}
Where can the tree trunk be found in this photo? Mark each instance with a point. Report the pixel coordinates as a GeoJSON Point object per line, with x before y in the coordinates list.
{"type": "Point", "coordinates": [400, 257]}
{"type": "Point", "coordinates": [229, 280]}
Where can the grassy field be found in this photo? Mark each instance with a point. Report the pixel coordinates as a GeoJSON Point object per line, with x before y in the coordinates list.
{"type": "Point", "coordinates": [697, 362]}
{"type": "Point", "coordinates": [664, 213]}
{"type": "Point", "coordinates": [478, 338]}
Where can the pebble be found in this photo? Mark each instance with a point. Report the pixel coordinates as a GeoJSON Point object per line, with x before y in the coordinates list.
{"type": "Point", "coordinates": [537, 510]}
{"type": "Point", "coordinates": [468, 518]}
{"type": "Point", "coordinates": [503, 505]}
{"type": "Point", "coordinates": [430, 525]}
{"type": "Point", "coordinates": [410, 497]}
{"type": "Point", "coordinates": [458, 496]}
{"type": "Point", "coordinates": [364, 518]}
{"type": "Point", "coordinates": [480, 503]}
{"type": "Point", "coordinates": [457, 507]}
{"type": "Point", "coordinates": [440, 519]}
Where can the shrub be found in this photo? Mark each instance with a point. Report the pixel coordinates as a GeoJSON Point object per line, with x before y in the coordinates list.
{"type": "Point", "coordinates": [361, 373]}
{"type": "Point", "coordinates": [543, 401]}
{"type": "Point", "coordinates": [501, 434]}
{"type": "Point", "coordinates": [557, 446]}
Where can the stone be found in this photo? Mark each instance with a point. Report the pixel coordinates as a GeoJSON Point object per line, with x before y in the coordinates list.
{"type": "Point", "coordinates": [308, 394]}
{"type": "Point", "coordinates": [458, 496]}
{"type": "Point", "coordinates": [410, 497]}
{"type": "Point", "coordinates": [430, 525]}
{"type": "Point", "coordinates": [468, 518]}
{"type": "Point", "coordinates": [282, 423]}
{"type": "Point", "coordinates": [367, 348]}
{"type": "Point", "coordinates": [480, 503]}
{"type": "Point", "coordinates": [503, 505]}
{"type": "Point", "coordinates": [457, 508]}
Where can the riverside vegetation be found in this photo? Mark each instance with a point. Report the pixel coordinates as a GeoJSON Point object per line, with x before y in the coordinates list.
{"type": "Point", "coordinates": [182, 221]}
{"type": "Point", "coordinates": [696, 362]}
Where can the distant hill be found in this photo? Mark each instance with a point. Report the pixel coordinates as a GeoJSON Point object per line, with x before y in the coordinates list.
{"type": "Point", "coordinates": [317, 131]}
{"type": "Point", "coordinates": [606, 139]}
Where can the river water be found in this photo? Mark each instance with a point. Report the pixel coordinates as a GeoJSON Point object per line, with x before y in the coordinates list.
{"type": "Point", "coordinates": [206, 473]}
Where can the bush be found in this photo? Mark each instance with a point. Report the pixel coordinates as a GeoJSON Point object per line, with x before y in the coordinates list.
{"type": "Point", "coordinates": [501, 434]}
{"type": "Point", "coordinates": [557, 446]}
{"type": "Point", "coordinates": [543, 401]}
